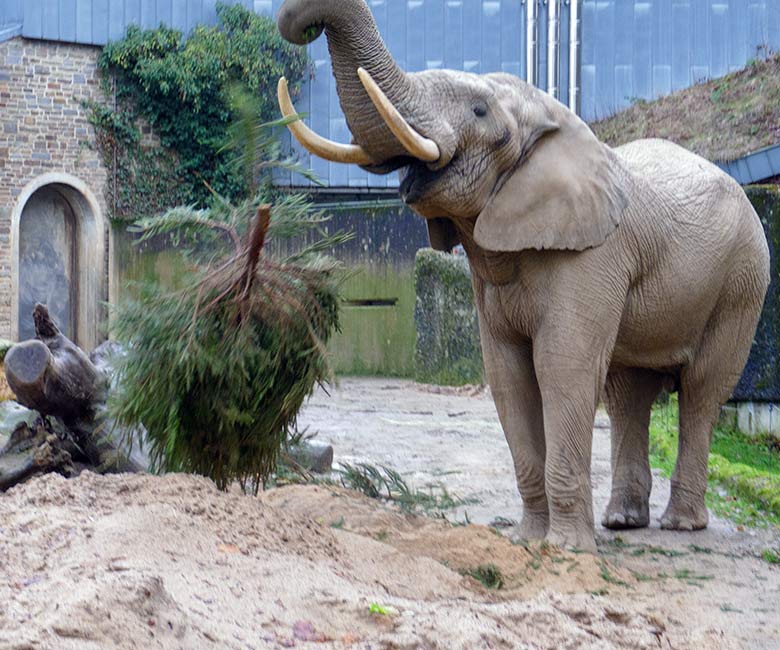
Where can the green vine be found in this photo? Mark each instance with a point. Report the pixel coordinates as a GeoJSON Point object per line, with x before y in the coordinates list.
{"type": "Point", "coordinates": [181, 93]}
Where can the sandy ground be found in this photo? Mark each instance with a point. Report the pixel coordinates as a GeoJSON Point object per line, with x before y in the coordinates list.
{"type": "Point", "coordinates": [133, 561]}
{"type": "Point", "coordinates": [452, 437]}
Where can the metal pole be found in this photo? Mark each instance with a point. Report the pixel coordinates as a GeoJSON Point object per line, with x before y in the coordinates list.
{"type": "Point", "coordinates": [530, 42]}
{"type": "Point", "coordinates": [552, 48]}
{"type": "Point", "coordinates": [574, 56]}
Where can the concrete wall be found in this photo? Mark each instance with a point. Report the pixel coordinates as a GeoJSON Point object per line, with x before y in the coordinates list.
{"type": "Point", "coordinates": [45, 137]}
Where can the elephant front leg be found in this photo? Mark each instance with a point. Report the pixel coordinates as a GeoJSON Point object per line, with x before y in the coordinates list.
{"type": "Point", "coordinates": [570, 390]}
{"type": "Point", "coordinates": [510, 374]}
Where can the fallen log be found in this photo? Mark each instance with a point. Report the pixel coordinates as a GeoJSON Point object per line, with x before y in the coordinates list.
{"type": "Point", "coordinates": [67, 428]}
{"type": "Point", "coordinates": [52, 375]}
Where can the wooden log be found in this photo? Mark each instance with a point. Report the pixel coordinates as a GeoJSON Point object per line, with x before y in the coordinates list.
{"type": "Point", "coordinates": [52, 375]}
{"type": "Point", "coordinates": [105, 447]}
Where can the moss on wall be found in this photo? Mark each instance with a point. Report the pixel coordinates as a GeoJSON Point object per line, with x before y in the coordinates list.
{"type": "Point", "coordinates": [760, 380]}
{"type": "Point", "coordinates": [447, 350]}
{"type": "Point", "coordinates": [376, 339]}
{"type": "Point", "coordinates": [154, 261]}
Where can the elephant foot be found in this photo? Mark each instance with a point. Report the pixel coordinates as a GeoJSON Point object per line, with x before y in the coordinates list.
{"type": "Point", "coordinates": [534, 525]}
{"type": "Point", "coordinates": [580, 538]}
{"type": "Point", "coordinates": [683, 515]}
{"type": "Point", "coordinates": [626, 510]}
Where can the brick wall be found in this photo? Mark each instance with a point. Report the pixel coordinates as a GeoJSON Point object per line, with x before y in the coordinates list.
{"type": "Point", "coordinates": [43, 128]}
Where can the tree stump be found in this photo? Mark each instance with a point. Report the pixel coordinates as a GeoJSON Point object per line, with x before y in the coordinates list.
{"type": "Point", "coordinates": [52, 375]}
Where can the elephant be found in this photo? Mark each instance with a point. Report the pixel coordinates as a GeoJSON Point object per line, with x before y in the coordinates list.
{"type": "Point", "coordinates": [599, 273]}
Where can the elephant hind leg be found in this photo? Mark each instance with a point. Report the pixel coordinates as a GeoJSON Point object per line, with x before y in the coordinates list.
{"type": "Point", "coordinates": [629, 394]}
{"type": "Point", "coordinates": [705, 385]}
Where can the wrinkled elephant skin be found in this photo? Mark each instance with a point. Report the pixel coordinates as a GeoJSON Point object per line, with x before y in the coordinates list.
{"type": "Point", "coordinates": [599, 273]}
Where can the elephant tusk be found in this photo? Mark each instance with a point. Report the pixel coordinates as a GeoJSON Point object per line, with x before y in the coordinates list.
{"type": "Point", "coordinates": [316, 144]}
{"type": "Point", "coordinates": [418, 146]}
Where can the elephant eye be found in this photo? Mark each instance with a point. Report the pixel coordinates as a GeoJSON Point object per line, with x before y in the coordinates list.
{"type": "Point", "coordinates": [480, 109]}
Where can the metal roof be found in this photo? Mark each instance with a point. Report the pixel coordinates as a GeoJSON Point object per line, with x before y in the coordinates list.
{"type": "Point", "coordinates": [95, 22]}
{"type": "Point", "coordinates": [755, 167]}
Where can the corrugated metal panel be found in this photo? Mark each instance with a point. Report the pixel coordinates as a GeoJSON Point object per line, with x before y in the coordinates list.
{"type": "Point", "coordinates": [564, 43]}
{"type": "Point", "coordinates": [11, 12]}
{"type": "Point", "coordinates": [642, 49]}
{"type": "Point", "coordinates": [755, 167]}
{"type": "Point", "coordinates": [95, 22]}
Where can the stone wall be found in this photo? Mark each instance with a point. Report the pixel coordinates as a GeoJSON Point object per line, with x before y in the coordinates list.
{"type": "Point", "coordinates": [44, 129]}
{"type": "Point", "coordinates": [447, 350]}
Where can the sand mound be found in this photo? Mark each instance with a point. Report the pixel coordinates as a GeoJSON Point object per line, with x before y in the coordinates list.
{"type": "Point", "coordinates": [133, 561]}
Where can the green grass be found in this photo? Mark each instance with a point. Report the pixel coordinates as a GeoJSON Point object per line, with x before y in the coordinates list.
{"type": "Point", "coordinates": [488, 574]}
{"type": "Point", "coordinates": [748, 469]}
{"type": "Point", "coordinates": [608, 576]}
{"type": "Point", "coordinates": [382, 482]}
{"type": "Point", "coordinates": [760, 453]}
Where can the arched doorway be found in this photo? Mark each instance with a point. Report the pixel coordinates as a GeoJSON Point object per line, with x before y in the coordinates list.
{"type": "Point", "coordinates": [58, 248]}
{"type": "Point", "coordinates": [48, 261]}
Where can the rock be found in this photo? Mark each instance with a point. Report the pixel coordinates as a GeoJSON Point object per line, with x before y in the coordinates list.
{"type": "Point", "coordinates": [105, 356]}
{"type": "Point", "coordinates": [312, 455]}
{"type": "Point", "coordinates": [13, 415]}
{"type": "Point", "coordinates": [132, 444]}
{"type": "Point", "coordinates": [31, 445]}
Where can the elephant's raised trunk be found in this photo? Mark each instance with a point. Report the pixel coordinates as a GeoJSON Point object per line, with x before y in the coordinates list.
{"type": "Point", "coordinates": [354, 42]}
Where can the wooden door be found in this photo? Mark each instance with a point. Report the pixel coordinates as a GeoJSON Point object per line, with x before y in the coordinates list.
{"type": "Point", "coordinates": [47, 261]}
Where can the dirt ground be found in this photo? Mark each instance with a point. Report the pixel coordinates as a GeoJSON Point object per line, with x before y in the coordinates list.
{"type": "Point", "coordinates": [132, 561]}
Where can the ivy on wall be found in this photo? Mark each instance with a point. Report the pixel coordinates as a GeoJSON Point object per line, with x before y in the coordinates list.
{"type": "Point", "coordinates": [182, 91]}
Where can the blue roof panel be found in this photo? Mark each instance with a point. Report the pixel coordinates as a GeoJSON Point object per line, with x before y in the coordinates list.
{"type": "Point", "coordinates": [95, 22]}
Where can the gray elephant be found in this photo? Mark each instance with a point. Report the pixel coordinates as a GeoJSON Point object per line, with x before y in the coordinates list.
{"type": "Point", "coordinates": [598, 272]}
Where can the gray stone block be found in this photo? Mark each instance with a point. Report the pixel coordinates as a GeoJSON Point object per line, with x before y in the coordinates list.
{"type": "Point", "coordinates": [13, 415]}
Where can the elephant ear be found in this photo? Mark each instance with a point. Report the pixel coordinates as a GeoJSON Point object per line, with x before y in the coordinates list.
{"type": "Point", "coordinates": [564, 194]}
{"type": "Point", "coordinates": [442, 234]}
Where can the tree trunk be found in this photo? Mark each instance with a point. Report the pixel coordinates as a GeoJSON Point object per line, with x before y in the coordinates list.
{"type": "Point", "coordinates": [52, 375]}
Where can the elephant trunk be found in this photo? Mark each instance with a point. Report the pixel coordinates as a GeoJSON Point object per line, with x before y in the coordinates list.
{"type": "Point", "coordinates": [353, 42]}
